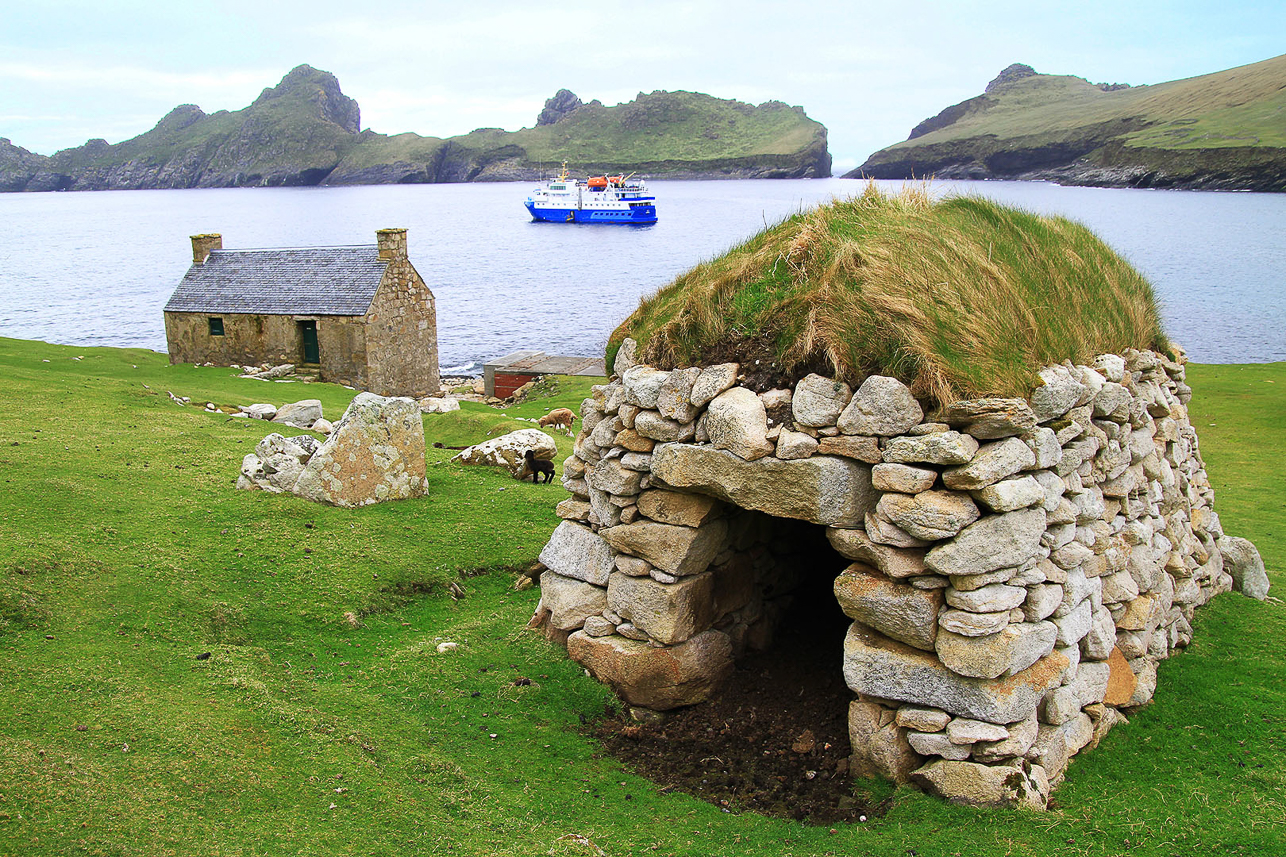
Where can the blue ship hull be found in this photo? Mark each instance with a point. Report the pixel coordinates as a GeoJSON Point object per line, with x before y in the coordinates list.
{"type": "Point", "coordinates": [642, 214]}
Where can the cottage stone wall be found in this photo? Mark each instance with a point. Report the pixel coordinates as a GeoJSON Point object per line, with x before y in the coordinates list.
{"type": "Point", "coordinates": [401, 327]}
{"type": "Point", "coordinates": [254, 339]}
{"type": "Point", "coordinates": [1018, 567]}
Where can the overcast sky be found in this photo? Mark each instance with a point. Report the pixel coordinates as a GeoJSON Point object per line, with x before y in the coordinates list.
{"type": "Point", "coordinates": [75, 69]}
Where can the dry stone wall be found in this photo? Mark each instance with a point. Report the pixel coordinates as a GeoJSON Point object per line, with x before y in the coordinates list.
{"type": "Point", "coordinates": [1019, 567]}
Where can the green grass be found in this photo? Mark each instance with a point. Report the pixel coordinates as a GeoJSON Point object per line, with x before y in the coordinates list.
{"type": "Point", "coordinates": [959, 298]}
{"type": "Point", "coordinates": [125, 552]}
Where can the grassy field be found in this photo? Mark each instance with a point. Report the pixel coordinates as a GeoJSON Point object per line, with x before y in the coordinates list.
{"type": "Point", "coordinates": [125, 553]}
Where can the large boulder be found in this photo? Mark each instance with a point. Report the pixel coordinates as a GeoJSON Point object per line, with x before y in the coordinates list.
{"type": "Point", "coordinates": [822, 489]}
{"type": "Point", "coordinates": [508, 451]}
{"type": "Point", "coordinates": [656, 678]}
{"type": "Point", "coordinates": [375, 453]}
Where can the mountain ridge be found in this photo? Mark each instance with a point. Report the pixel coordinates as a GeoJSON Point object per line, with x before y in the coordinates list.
{"type": "Point", "coordinates": [304, 131]}
{"type": "Point", "coordinates": [1225, 131]}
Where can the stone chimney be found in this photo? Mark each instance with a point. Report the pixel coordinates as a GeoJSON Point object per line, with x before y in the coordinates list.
{"type": "Point", "coordinates": [392, 244]}
{"type": "Point", "coordinates": [203, 244]}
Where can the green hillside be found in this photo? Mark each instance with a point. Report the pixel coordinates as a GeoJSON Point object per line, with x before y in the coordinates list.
{"type": "Point", "coordinates": [305, 131]}
{"type": "Point", "coordinates": [1223, 130]}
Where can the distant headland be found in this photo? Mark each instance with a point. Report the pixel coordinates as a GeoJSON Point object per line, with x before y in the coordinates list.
{"type": "Point", "coordinates": [1221, 131]}
{"type": "Point", "coordinates": [305, 132]}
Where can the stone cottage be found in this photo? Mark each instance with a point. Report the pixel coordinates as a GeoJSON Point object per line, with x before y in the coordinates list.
{"type": "Point", "coordinates": [359, 315]}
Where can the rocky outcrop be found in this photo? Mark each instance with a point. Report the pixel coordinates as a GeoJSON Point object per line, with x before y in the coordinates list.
{"type": "Point", "coordinates": [1019, 566]}
{"type": "Point", "coordinates": [373, 454]}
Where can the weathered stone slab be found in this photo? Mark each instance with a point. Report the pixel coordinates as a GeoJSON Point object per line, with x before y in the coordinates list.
{"type": "Point", "coordinates": [611, 476]}
{"type": "Point", "coordinates": [865, 449]}
{"type": "Point", "coordinates": [650, 424]}
{"type": "Point", "coordinates": [642, 385]}
{"type": "Point", "coordinates": [990, 419]}
{"type": "Point", "coordinates": [674, 399]}
{"type": "Point", "coordinates": [668, 613]}
{"type": "Point", "coordinates": [1009, 495]}
{"type": "Point", "coordinates": [737, 421]}
{"type": "Point", "coordinates": [881, 406]}
{"type": "Point", "coordinates": [569, 601]}
{"type": "Point", "coordinates": [902, 478]}
{"type": "Point", "coordinates": [712, 381]}
{"type": "Point", "coordinates": [929, 515]}
{"type": "Point", "coordinates": [821, 489]}
{"type": "Point", "coordinates": [894, 562]}
{"type": "Point", "coordinates": [999, 786]}
{"type": "Point", "coordinates": [1058, 393]}
{"type": "Point", "coordinates": [674, 507]}
{"type": "Point", "coordinates": [302, 414]}
{"type": "Point", "coordinates": [993, 462]}
{"type": "Point", "coordinates": [997, 541]}
{"type": "Point", "coordinates": [674, 549]}
{"type": "Point", "coordinates": [894, 609]}
{"type": "Point", "coordinates": [576, 551]}
{"type": "Point", "coordinates": [656, 678]}
{"type": "Point", "coordinates": [375, 453]}
{"type": "Point", "coordinates": [792, 445]}
{"type": "Point", "coordinates": [818, 401]}
{"type": "Point", "coordinates": [506, 451]}
{"type": "Point", "coordinates": [880, 747]}
{"type": "Point", "coordinates": [1241, 559]}
{"type": "Point", "coordinates": [1010, 651]}
{"type": "Point", "coordinates": [945, 447]}
{"type": "Point", "coordinates": [877, 666]}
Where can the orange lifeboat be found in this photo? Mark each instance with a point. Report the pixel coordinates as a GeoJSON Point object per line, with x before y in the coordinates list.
{"type": "Point", "coordinates": [597, 182]}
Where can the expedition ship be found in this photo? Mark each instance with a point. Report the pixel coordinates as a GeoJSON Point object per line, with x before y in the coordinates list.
{"type": "Point", "coordinates": [601, 199]}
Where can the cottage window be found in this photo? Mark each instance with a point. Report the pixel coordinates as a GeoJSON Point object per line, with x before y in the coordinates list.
{"type": "Point", "coordinates": [216, 326]}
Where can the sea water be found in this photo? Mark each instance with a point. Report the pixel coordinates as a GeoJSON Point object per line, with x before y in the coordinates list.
{"type": "Point", "coordinates": [97, 268]}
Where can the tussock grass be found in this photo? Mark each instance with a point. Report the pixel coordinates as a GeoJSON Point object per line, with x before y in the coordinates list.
{"type": "Point", "coordinates": [961, 297]}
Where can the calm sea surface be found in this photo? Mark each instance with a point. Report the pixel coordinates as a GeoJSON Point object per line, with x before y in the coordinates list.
{"type": "Point", "coordinates": [96, 268]}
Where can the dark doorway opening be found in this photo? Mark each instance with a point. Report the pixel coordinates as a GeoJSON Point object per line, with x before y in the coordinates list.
{"type": "Point", "coordinates": [775, 740]}
{"type": "Point", "coordinates": [308, 338]}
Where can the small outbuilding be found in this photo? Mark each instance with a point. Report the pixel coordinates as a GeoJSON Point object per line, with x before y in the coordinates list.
{"type": "Point", "coordinates": [357, 315]}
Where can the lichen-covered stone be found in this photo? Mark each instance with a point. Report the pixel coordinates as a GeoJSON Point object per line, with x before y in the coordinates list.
{"type": "Point", "coordinates": [997, 541]}
{"type": "Point", "coordinates": [737, 421]}
{"type": "Point", "coordinates": [668, 613]}
{"type": "Point", "coordinates": [570, 601]}
{"type": "Point", "coordinates": [947, 447]}
{"type": "Point", "coordinates": [929, 515]}
{"type": "Point", "coordinates": [818, 401]}
{"type": "Point", "coordinates": [375, 453]}
{"type": "Point", "coordinates": [897, 563]}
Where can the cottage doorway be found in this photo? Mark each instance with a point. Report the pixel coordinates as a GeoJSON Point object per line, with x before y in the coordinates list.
{"type": "Point", "coordinates": [308, 338]}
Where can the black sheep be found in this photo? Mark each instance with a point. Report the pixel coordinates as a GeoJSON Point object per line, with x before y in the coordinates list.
{"type": "Point", "coordinates": [537, 467]}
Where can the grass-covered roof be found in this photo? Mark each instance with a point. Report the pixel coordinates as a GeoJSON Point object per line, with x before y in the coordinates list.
{"type": "Point", "coordinates": [960, 297]}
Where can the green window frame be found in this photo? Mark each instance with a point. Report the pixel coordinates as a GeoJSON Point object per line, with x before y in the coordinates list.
{"type": "Point", "coordinates": [216, 326]}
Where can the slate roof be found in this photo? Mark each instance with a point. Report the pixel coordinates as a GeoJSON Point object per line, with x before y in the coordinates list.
{"type": "Point", "coordinates": [304, 281]}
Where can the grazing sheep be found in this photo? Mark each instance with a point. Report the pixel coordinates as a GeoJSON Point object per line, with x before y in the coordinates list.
{"type": "Point", "coordinates": [558, 418]}
{"type": "Point", "coordinates": [538, 466]}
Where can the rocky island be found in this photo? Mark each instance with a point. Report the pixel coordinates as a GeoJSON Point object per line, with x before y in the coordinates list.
{"type": "Point", "coordinates": [1221, 131]}
{"type": "Point", "coordinates": [305, 131]}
